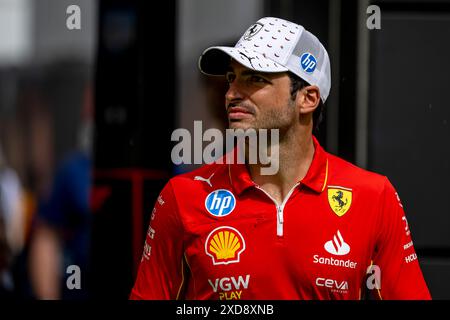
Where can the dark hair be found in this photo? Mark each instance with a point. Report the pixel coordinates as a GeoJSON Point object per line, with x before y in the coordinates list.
{"type": "Point", "coordinates": [297, 84]}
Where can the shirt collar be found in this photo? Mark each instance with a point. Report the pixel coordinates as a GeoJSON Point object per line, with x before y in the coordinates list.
{"type": "Point", "coordinates": [240, 178]}
{"type": "Point", "coordinates": [317, 176]}
{"type": "Point", "coordinates": [315, 179]}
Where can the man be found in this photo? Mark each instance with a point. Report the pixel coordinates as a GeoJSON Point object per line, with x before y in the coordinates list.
{"type": "Point", "coordinates": [320, 228]}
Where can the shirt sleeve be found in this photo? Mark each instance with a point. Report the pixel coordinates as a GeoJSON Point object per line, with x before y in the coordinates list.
{"type": "Point", "coordinates": [160, 274]}
{"type": "Point", "coordinates": [395, 256]}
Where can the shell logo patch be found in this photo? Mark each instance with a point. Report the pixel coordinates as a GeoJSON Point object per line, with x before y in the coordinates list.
{"type": "Point", "coordinates": [224, 245]}
{"type": "Point", "coordinates": [340, 199]}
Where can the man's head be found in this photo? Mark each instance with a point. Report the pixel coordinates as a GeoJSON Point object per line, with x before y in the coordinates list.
{"type": "Point", "coordinates": [272, 47]}
{"type": "Point", "coordinates": [275, 45]}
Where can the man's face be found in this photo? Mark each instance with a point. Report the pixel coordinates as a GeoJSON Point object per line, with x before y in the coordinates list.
{"type": "Point", "coordinates": [259, 100]}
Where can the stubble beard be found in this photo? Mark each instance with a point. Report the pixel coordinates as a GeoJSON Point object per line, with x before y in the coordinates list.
{"type": "Point", "coordinates": [271, 119]}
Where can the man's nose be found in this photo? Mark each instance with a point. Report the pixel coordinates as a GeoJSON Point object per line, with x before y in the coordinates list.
{"type": "Point", "coordinates": [234, 92]}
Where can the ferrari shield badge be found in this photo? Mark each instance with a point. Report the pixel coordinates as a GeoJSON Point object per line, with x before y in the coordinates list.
{"type": "Point", "coordinates": [340, 200]}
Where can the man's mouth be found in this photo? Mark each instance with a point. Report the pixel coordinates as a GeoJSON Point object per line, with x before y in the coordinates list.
{"type": "Point", "coordinates": [238, 113]}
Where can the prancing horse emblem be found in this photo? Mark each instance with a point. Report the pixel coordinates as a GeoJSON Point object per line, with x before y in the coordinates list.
{"type": "Point", "coordinates": [340, 199]}
{"type": "Point", "coordinates": [254, 29]}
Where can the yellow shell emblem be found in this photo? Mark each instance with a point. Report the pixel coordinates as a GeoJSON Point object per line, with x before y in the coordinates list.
{"type": "Point", "coordinates": [224, 245]}
{"type": "Point", "coordinates": [340, 200]}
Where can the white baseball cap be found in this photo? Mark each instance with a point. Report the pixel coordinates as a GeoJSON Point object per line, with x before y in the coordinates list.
{"type": "Point", "coordinates": [274, 45]}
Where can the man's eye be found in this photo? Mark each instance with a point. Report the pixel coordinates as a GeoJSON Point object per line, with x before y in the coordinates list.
{"type": "Point", "coordinates": [255, 78]}
{"type": "Point", "coordinates": [230, 77]}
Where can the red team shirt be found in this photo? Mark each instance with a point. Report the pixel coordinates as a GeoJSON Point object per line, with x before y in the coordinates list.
{"type": "Point", "coordinates": [340, 232]}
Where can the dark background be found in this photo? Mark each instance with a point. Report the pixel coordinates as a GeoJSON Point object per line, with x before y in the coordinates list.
{"type": "Point", "coordinates": [387, 111]}
{"type": "Point", "coordinates": [405, 132]}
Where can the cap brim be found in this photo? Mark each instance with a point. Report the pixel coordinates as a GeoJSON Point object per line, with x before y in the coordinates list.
{"type": "Point", "coordinates": [216, 60]}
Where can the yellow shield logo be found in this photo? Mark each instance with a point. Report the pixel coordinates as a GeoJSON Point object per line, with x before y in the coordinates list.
{"type": "Point", "coordinates": [224, 245]}
{"type": "Point", "coordinates": [340, 200]}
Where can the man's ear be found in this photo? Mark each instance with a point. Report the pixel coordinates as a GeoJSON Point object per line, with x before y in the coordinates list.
{"type": "Point", "coordinates": [308, 99]}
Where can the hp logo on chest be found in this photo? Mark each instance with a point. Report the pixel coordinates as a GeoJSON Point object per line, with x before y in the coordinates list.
{"type": "Point", "coordinates": [220, 203]}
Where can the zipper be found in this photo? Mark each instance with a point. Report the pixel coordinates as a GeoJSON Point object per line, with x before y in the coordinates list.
{"type": "Point", "coordinates": [280, 208]}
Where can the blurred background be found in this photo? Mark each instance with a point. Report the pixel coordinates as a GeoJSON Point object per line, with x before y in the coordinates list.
{"type": "Point", "coordinates": [91, 90]}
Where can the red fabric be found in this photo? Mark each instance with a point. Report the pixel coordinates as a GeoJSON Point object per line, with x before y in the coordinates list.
{"type": "Point", "coordinates": [320, 255]}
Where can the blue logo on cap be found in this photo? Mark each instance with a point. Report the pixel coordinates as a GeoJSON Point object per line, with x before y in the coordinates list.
{"type": "Point", "coordinates": [308, 62]}
{"type": "Point", "coordinates": [220, 203]}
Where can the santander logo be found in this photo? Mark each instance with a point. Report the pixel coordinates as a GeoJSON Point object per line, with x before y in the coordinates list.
{"type": "Point", "coordinates": [337, 246]}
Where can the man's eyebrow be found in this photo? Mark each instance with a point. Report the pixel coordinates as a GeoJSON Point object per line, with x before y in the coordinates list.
{"type": "Point", "coordinates": [247, 72]}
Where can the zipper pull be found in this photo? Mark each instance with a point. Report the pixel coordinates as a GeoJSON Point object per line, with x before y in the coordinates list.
{"type": "Point", "coordinates": [280, 221]}
{"type": "Point", "coordinates": [280, 214]}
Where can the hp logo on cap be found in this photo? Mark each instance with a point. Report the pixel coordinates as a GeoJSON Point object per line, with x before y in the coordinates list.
{"type": "Point", "coordinates": [308, 62]}
{"type": "Point", "coordinates": [220, 203]}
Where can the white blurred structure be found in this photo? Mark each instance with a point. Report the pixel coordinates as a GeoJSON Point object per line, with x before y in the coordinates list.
{"type": "Point", "coordinates": [15, 31]}
{"type": "Point", "coordinates": [35, 31]}
{"type": "Point", "coordinates": [11, 205]}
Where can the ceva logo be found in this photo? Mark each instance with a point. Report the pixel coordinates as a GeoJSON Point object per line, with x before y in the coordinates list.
{"type": "Point", "coordinates": [220, 202]}
{"type": "Point", "coordinates": [337, 246]}
{"type": "Point", "coordinates": [334, 285]}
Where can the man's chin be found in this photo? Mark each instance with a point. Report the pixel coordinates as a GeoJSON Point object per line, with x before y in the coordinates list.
{"type": "Point", "coordinates": [234, 125]}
